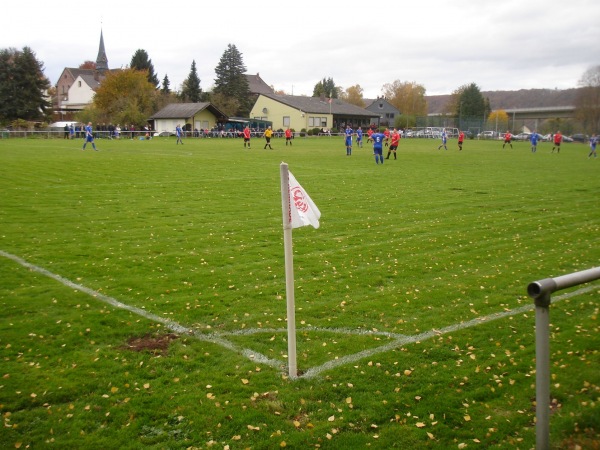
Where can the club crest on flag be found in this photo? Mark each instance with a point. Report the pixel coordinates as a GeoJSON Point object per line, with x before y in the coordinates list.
{"type": "Point", "coordinates": [299, 200]}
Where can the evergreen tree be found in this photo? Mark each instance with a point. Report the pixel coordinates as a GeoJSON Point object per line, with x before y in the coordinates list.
{"type": "Point", "coordinates": [141, 61]}
{"type": "Point", "coordinates": [165, 85]}
{"type": "Point", "coordinates": [191, 91]}
{"type": "Point", "coordinates": [326, 88]}
{"type": "Point", "coordinates": [470, 102]}
{"type": "Point", "coordinates": [23, 86]}
{"type": "Point", "coordinates": [231, 81]}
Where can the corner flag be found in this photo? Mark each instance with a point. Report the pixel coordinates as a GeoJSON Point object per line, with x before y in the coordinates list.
{"type": "Point", "coordinates": [298, 210]}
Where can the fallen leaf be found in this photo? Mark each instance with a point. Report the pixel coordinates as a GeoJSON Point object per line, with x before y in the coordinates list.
{"type": "Point", "coordinates": [420, 425]}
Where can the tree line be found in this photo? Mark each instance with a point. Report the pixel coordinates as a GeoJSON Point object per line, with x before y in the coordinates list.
{"type": "Point", "coordinates": [131, 95]}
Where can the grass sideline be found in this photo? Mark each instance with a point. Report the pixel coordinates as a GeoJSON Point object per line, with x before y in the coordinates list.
{"type": "Point", "coordinates": [193, 233]}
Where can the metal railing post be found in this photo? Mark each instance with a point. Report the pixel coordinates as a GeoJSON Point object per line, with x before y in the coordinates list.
{"type": "Point", "coordinates": [541, 292]}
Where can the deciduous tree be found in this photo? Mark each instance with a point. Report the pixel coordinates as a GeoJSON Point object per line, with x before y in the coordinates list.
{"type": "Point", "coordinates": [125, 96]}
{"type": "Point", "coordinates": [408, 97]}
{"type": "Point", "coordinates": [354, 96]}
{"type": "Point", "coordinates": [587, 104]}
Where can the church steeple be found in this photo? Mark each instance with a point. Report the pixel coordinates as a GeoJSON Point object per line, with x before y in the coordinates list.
{"type": "Point", "coordinates": [101, 60]}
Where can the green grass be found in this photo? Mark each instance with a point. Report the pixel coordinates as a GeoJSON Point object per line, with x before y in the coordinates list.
{"type": "Point", "coordinates": [193, 234]}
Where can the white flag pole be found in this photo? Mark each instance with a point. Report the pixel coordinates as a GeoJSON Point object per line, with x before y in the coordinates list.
{"type": "Point", "coordinates": [289, 268]}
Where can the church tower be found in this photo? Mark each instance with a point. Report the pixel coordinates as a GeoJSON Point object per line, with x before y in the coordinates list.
{"type": "Point", "coordinates": [101, 59]}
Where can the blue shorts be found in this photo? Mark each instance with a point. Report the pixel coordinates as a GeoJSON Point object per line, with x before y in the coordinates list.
{"type": "Point", "coordinates": [348, 142]}
{"type": "Point", "coordinates": [378, 151]}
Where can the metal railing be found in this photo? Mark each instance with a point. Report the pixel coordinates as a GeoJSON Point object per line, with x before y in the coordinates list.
{"type": "Point", "coordinates": [541, 292]}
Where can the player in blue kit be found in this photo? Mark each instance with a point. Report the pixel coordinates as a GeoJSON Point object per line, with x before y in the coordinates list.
{"type": "Point", "coordinates": [444, 140]}
{"type": "Point", "coordinates": [179, 133]}
{"type": "Point", "coordinates": [593, 143]}
{"type": "Point", "coordinates": [89, 136]}
{"type": "Point", "coordinates": [378, 139]}
{"type": "Point", "coordinates": [534, 138]}
{"type": "Point", "coordinates": [359, 137]}
{"type": "Point", "coordinates": [348, 133]}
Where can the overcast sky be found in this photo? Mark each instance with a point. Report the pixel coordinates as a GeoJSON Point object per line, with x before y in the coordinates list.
{"type": "Point", "coordinates": [440, 44]}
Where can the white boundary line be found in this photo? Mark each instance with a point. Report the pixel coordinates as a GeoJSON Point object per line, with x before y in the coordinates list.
{"type": "Point", "coordinates": [220, 338]}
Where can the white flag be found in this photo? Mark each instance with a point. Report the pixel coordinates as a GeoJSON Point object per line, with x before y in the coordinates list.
{"type": "Point", "coordinates": [302, 209]}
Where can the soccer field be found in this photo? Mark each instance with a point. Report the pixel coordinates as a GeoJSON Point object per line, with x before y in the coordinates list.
{"type": "Point", "coordinates": [395, 294]}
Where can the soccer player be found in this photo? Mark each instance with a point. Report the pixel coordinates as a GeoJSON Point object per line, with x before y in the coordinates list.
{"type": "Point", "coordinates": [179, 133]}
{"type": "Point", "coordinates": [268, 134]}
{"type": "Point", "coordinates": [461, 138]}
{"type": "Point", "coordinates": [359, 137]}
{"type": "Point", "coordinates": [378, 139]}
{"type": "Point", "coordinates": [89, 136]}
{"type": "Point", "coordinates": [247, 135]}
{"type": "Point", "coordinates": [507, 139]}
{"type": "Point", "coordinates": [395, 140]}
{"type": "Point", "coordinates": [593, 142]}
{"type": "Point", "coordinates": [386, 133]}
{"type": "Point", "coordinates": [534, 138]}
{"type": "Point", "coordinates": [369, 134]}
{"type": "Point", "coordinates": [557, 141]}
{"type": "Point", "coordinates": [444, 140]}
{"type": "Point", "coordinates": [288, 137]}
{"type": "Point", "coordinates": [348, 139]}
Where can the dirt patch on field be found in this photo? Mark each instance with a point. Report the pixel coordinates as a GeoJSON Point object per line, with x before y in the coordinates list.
{"type": "Point", "coordinates": [155, 344]}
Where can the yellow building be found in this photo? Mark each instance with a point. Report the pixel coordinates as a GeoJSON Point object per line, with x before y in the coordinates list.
{"type": "Point", "coordinates": [306, 113]}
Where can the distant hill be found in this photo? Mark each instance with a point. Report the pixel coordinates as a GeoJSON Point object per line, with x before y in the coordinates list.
{"type": "Point", "coordinates": [524, 98]}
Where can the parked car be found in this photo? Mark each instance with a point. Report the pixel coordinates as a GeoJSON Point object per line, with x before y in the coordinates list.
{"type": "Point", "coordinates": [486, 135]}
{"type": "Point", "coordinates": [567, 139]}
{"type": "Point", "coordinates": [521, 136]}
{"type": "Point", "coordinates": [578, 137]}
{"type": "Point", "coordinates": [164, 133]}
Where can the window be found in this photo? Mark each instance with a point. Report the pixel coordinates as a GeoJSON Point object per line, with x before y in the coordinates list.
{"type": "Point", "coordinates": [317, 122]}
{"type": "Point", "coordinates": [79, 84]}
{"type": "Point", "coordinates": [286, 121]}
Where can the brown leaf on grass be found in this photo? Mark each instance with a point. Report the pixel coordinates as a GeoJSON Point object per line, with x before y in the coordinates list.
{"type": "Point", "coordinates": [245, 381]}
{"type": "Point", "coordinates": [420, 425]}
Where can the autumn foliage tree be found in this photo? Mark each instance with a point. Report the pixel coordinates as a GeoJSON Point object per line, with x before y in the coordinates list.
{"type": "Point", "coordinates": [497, 120]}
{"type": "Point", "coordinates": [354, 96]}
{"type": "Point", "coordinates": [408, 97]}
{"type": "Point", "coordinates": [126, 97]}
